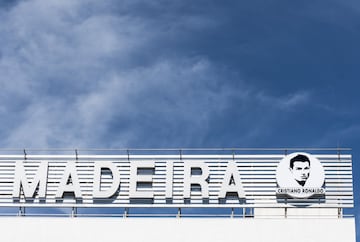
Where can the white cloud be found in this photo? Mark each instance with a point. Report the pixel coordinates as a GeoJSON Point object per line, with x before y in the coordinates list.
{"type": "Point", "coordinates": [75, 76]}
{"type": "Point", "coordinates": [167, 93]}
{"type": "Point", "coordinates": [286, 102]}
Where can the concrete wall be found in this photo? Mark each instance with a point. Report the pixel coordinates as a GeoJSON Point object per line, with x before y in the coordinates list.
{"type": "Point", "coordinates": [22, 229]}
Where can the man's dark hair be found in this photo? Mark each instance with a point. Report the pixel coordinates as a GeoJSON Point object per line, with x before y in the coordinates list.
{"type": "Point", "coordinates": [301, 158]}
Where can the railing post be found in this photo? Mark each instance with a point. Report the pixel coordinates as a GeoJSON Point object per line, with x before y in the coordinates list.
{"type": "Point", "coordinates": [179, 213]}
{"type": "Point", "coordinates": [21, 211]}
{"type": "Point", "coordinates": [126, 211]}
{"type": "Point", "coordinates": [73, 212]}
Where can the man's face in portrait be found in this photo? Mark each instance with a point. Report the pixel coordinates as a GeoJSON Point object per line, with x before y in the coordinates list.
{"type": "Point", "coordinates": [301, 171]}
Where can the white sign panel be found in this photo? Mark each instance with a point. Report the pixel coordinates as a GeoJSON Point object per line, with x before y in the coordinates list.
{"type": "Point", "coordinates": [300, 175]}
{"type": "Point", "coordinates": [297, 179]}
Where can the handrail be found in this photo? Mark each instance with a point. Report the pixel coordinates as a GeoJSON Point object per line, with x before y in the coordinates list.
{"type": "Point", "coordinates": [178, 149]}
{"type": "Point", "coordinates": [175, 215]}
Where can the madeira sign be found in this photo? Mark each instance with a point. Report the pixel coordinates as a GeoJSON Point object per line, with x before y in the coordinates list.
{"type": "Point", "coordinates": [236, 180]}
{"type": "Point", "coordinates": [141, 176]}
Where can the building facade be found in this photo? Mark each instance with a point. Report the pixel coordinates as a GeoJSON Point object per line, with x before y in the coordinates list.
{"type": "Point", "coordinates": [178, 194]}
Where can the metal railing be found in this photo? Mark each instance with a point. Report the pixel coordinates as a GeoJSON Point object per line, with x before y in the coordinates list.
{"type": "Point", "coordinates": [244, 213]}
{"type": "Point", "coordinates": [78, 151]}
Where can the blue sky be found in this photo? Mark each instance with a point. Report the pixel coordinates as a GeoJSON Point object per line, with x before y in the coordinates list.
{"type": "Point", "coordinates": [149, 74]}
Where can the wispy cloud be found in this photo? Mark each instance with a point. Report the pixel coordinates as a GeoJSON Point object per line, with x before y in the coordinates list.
{"type": "Point", "coordinates": [287, 101]}
{"type": "Point", "coordinates": [82, 74]}
{"type": "Point", "coordinates": [72, 76]}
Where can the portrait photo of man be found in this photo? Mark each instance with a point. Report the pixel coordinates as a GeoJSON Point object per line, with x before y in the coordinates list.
{"type": "Point", "coordinates": [300, 168]}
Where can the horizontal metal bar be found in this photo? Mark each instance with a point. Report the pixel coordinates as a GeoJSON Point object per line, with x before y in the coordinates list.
{"type": "Point", "coordinates": [178, 149]}
{"type": "Point", "coordinates": [195, 206]}
{"type": "Point", "coordinates": [214, 213]}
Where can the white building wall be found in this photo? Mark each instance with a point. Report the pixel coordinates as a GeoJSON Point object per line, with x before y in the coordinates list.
{"type": "Point", "coordinates": [40, 229]}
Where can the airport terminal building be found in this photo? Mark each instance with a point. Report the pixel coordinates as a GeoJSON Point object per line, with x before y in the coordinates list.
{"type": "Point", "coordinates": [177, 195]}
